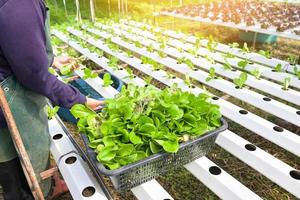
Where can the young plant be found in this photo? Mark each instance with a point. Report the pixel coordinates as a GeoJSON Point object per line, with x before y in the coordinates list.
{"type": "Point", "coordinates": [148, 80]}
{"type": "Point", "coordinates": [243, 63]}
{"type": "Point", "coordinates": [67, 70]}
{"type": "Point", "coordinates": [189, 63]}
{"type": "Point", "coordinates": [241, 80]}
{"type": "Point", "coordinates": [162, 54]}
{"type": "Point", "coordinates": [138, 44]}
{"type": "Point", "coordinates": [198, 43]}
{"type": "Point", "coordinates": [256, 73]}
{"type": "Point", "coordinates": [278, 68]}
{"type": "Point", "coordinates": [267, 53]}
{"type": "Point", "coordinates": [292, 59]}
{"type": "Point", "coordinates": [88, 73]}
{"type": "Point", "coordinates": [129, 54]}
{"type": "Point", "coordinates": [107, 80]}
{"type": "Point", "coordinates": [228, 55]}
{"type": "Point", "coordinates": [130, 73]}
{"type": "Point", "coordinates": [226, 65]}
{"type": "Point", "coordinates": [234, 45]}
{"type": "Point", "coordinates": [150, 48]}
{"type": "Point", "coordinates": [297, 72]}
{"type": "Point", "coordinates": [187, 81]}
{"type": "Point", "coordinates": [211, 44]}
{"type": "Point", "coordinates": [193, 52]}
{"type": "Point", "coordinates": [181, 60]}
{"type": "Point", "coordinates": [212, 74]}
{"type": "Point", "coordinates": [245, 48]}
{"type": "Point", "coordinates": [286, 83]}
{"type": "Point", "coordinates": [113, 63]}
{"type": "Point", "coordinates": [210, 59]}
{"type": "Point", "coordinates": [52, 111]}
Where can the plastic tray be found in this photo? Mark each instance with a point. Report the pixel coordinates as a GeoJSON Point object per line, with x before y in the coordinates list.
{"type": "Point", "coordinates": [134, 174]}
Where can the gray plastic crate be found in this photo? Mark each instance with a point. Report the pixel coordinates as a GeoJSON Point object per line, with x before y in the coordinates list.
{"type": "Point", "coordinates": [134, 174]}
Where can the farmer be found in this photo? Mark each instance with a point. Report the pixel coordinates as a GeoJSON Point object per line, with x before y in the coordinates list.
{"type": "Point", "coordinates": [25, 56]}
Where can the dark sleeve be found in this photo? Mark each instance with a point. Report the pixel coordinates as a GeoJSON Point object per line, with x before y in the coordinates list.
{"type": "Point", "coordinates": [22, 40]}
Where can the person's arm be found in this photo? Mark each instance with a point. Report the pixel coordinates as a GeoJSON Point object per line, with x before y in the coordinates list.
{"type": "Point", "coordinates": [22, 40]}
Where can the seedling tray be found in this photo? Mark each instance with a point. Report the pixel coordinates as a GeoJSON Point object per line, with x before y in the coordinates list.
{"type": "Point", "coordinates": [134, 174]}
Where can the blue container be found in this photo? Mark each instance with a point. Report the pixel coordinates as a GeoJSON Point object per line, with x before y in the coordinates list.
{"type": "Point", "coordinates": [86, 90]}
{"type": "Point", "coordinates": [260, 37]}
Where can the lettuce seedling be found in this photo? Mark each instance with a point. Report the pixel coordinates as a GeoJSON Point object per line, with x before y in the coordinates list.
{"type": "Point", "coordinates": [286, 83]}
{"type": "Point", "coordinates": [241, 80]}
{"type": "Point", "coordinates": [212, 74]}
{"type": "Point", "coordinates": [107, 80]}
{"type": "Point", "coordinates": [256, 73]}
{"type": "Point", "coordinates": [88, 73]}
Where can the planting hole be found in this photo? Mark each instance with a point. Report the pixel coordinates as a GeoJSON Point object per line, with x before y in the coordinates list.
{"type": "Point", "coordinates": [243, 112]}
{"type": "Point", "coordinates": [196, 69]}
{"type": "Point", "coordinates": [298, 112]}
{"type": "Point", "coordinates": [173, 77]}
{"type": "Point", "coordinates": [134, 76]}
{"type": "Point", "coordinates": [71, 160]}
{"type": "Point", "coordinates": [237, 87]}
{"type": "Point", "coordinates": [167, 199]}
{"type": "Point", "coordinates": [250, 147]}
{"type": "Point", "coordinates": [215, 170]}
{"type": "Point", "coordinates": [192, 86]}
{"type": "Point", "coordinates": [234, 70]}
{"type": "Point", "coordinates": [278, 129]}
{"type": "Point", "coordinates": [215, 98]}
{"type": "Point", "coordinates": [88, 191]}
{"type": "Point", "coordinates": [57, 136]}
{"type": "Point", "coordinates": [266, 99]}
{"type": "Point", "coordinates": [295, 174]}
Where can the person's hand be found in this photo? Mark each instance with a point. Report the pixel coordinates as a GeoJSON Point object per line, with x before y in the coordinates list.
{"type": "Point", "coordinates": [94, 104]}
{"type": "Point", "coordinates": [60, 61]}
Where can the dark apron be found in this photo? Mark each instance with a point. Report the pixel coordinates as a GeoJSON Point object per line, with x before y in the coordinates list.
{"type": "Point", "coordinates": [28, 109]}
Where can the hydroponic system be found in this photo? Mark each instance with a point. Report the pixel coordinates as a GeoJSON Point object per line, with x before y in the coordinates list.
{"type": "Point", "coordinates": [173, 97]}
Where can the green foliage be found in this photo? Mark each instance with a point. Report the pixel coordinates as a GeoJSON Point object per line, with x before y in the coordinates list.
{"type": "Point", "coordinates": [256, 73]}
{"type": "Point", "coordinates": [278, 68]}
{"type": "Point", "coordinates": [297, 72]}
{"type": "Point", "coordinates": [142, 121]}
{"type": "Point", "coordinates": [88, 73]}
{"type": "Point", "coordinates": [245, 48]}
{"type": "Point", "coordinates": [286, 83]}
{"type": "Point", "coordinates": [226, 65]}
{"type": "Point", "coordinates": [130, 73]}
{"type": "Point", "coordinates": [113, 62]}
{"type": "Point", "coordinates": [241, 80]}
{"type": "Point", "coordinates": [292, 59]}
{"type": "Point", "coordinates": [150, 48]}
{"type": "Point", "coordinates": [52, 111]}
{"type": "Point", "coordinates": [51, 70]}
{"type": "Point", "coordinates": [155, 65]}
{"type": "Point", "coordinates": [138, 44]}
{"type": "Point", "coordinates": [189, 63]}
{"type": "Point", "coordinates": [67, 70]}
{"type": "Point", "coordinates": [234, 45]}
{"type": "Point", "coordinates": [267, 54]}
{"type": "Point", "coordinates": [211, 44]}
{"type": "Point", "coordinates": [181, 60]}
{"type": "Point", "coordinates": [187, 80]}
{"type": "Point", "coordinates": [212, 74]}
{"type": "Point", "coordinates": [243, 63]}
{"type": "Point", "coordinates": [107, 80]}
